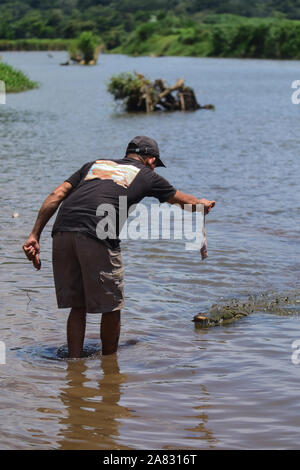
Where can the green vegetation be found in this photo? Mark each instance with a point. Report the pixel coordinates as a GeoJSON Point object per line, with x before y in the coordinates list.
{"type": "Point", "coordinates": [266, 29]}
{"type": "Point", "coordinates": [15, 80]}
{"type": "Point", "coordinates": [85, 49]}
{"type": "Point", "coordinates": [218, 36]}
{"type": "Point", "coordinates": [34, 44]}
{"type": "Point", "coordinates": [123, 85]}
{"type": "Point", "coordinates": [23, 19]}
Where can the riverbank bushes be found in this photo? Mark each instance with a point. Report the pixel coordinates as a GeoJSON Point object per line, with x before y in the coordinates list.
{"type": "Point", "coordinates": [222, 35]}
{"type": "Point", "coordinates": [34, 44]}
{"type": "Point", "coordinates": [218, 36]}
{"type": "Point", "coordinates": [14, 79]}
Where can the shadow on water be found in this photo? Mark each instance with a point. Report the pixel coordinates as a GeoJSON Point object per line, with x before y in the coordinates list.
{"type": "Point", "coordinates": [91, 350]}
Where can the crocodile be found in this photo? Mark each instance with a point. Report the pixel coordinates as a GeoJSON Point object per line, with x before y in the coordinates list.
{"type": "Point", "coordinates": [222, 316]}
{"type": "Point", "coordinates": [225, 313]}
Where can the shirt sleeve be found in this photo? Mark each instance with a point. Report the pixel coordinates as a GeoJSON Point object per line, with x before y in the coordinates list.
{"type": "Point", "coordinates": [159, 187]}
{"type": "Point", "coordinates": [75, 179]}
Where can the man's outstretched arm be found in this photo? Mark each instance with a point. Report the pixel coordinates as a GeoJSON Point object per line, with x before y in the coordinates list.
{"type": "Point", "coordinates": [31, 247]}
{"type": "Point", "coordinates": [182, 199]}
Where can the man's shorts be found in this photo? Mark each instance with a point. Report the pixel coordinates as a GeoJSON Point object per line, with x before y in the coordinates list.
{"type": "Point", "coordinates": [87, 274]}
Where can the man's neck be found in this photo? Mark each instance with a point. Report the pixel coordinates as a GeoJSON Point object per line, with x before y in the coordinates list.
{"type": "Point", "coordinates": [134, 156]}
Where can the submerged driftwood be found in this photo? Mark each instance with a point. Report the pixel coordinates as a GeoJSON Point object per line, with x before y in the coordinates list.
{"type": "Point", "coordinates": [140, 94]}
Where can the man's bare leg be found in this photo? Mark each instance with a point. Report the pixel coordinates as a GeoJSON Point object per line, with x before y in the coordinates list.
{"type": "Point", "coordinates": [110, 332]}
{"type": "Point", "coordinates": [76, 331]}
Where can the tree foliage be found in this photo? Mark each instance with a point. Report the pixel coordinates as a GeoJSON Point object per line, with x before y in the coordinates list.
{"type": "Point", "coordinates": [68, 18]}
{"type": "Point", "coordinates": [189, 27]}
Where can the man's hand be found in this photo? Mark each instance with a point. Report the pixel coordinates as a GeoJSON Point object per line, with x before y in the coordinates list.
{"type": "Point", "coordinates": [32, 250]}
{"type": "Point", "coordinates": [31, 247]}
{"type": "Point", "coordinates": [208, 205]}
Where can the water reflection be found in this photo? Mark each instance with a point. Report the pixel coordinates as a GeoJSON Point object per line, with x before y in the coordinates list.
{"type": "Point", "coordinates": [200, 435]}
{"type": "Point", "coordinates": [93, 409]}
{"type": "Point", "coordinates": [206, 435]}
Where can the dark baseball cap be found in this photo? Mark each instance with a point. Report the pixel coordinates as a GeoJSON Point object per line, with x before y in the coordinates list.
{"type": "Point", "coordinates": [144, 146]}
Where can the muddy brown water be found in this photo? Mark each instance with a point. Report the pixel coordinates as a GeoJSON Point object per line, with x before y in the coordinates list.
{"type": "Point", "coordinates": [171, 385]}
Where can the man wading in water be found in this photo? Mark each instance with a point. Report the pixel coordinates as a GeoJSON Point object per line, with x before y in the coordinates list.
{"type": "Point", "coordinates": [88, 271]}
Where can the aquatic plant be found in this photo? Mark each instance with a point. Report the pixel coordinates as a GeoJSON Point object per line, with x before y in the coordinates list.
{"type": "Point", "coordinates": [124, 85]}
{"type": "Point", "coordinates": [15, 80]}
{"type": "Point", "coordinates": [85, 49]}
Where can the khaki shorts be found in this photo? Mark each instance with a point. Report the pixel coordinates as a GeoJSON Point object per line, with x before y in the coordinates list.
{"type": "Point", "coordinates": [87, 274]}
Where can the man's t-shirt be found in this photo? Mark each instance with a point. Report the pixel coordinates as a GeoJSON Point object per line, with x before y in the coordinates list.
{"type": "Point", "coordinates": [102, 182]}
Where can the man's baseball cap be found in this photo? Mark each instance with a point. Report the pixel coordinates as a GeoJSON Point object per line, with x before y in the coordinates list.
{"type": "Point", "coordinates": [144, 146]}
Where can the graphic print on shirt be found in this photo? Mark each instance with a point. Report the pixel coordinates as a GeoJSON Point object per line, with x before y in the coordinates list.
{"type": "Point", "coordinates": [108, 170]}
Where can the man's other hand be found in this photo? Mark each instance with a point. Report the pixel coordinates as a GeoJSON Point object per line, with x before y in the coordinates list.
{"type": "Point", "coordinates": [32, 250]}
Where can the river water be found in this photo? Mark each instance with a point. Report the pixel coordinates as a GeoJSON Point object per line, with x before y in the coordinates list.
{"type": "Point", "coordinates": [171, 385]}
